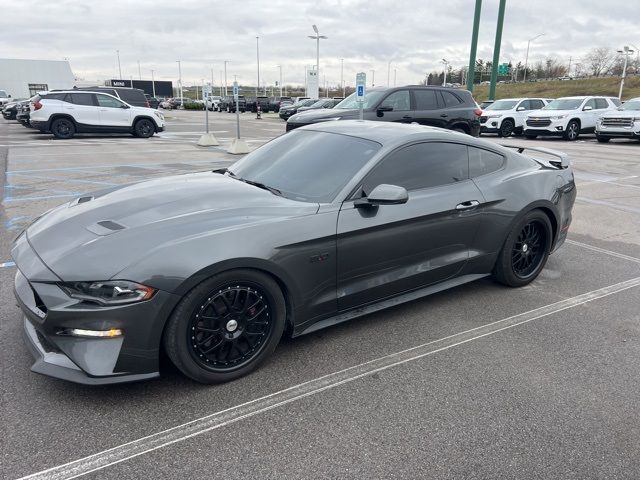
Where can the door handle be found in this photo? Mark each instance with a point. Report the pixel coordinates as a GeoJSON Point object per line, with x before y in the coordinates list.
{"type": "Point", "coordinates": [407, 117]}
{"type": "Point", "coordinates": [444, 115]}
{"type": "Point", "coordinates": [468, 204]}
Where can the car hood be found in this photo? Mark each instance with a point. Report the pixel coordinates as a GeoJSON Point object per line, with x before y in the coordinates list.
{"type": "Point", "coordinates": [320, 114]}
{"type": "Point", "coordinates": [98, 235]}
{"type": "Point", "coordinates": [550, 113]}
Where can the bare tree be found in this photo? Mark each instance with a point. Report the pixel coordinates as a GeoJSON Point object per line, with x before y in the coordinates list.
{"type": "Point", "coordinates": [599, 60]}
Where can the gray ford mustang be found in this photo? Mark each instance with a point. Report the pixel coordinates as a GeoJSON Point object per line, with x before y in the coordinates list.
{"type": "Point", "coordinates": [323, 224]}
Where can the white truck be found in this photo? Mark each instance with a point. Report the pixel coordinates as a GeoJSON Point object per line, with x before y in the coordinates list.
{"type": "Point", "coordinates": [507, 116]}
{"type": "Point", "coordinates": [568, 117]}
{"type": "Point", "coordinates": [621, 123]}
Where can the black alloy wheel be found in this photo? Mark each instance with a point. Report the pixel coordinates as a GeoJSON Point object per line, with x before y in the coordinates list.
{"type": "Point", "coordinates": [144, 128]}
{"type": "Point", "coordinates": [226, 326]}
{"type": "Point", "coordinates": [525, 250]}
{"type": "Point", "coordinates": [63, 128]}
{"type": "Point", "coordinates": [506, 128]}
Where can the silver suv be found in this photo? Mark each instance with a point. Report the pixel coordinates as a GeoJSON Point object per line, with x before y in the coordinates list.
{"type": "Point", "coordinates": [621, 123]}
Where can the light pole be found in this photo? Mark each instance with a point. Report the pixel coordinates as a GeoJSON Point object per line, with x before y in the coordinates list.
{"type": "Point", "coordinates": [153, 84]}
{"type": "Point", "coordinates": [389, 74]}
{"type": "Point", "coordinates": [317, 38]}
{"type": "Point", "coordinates": [280, 67]}
{"type": "Point", "coordinates": [626, 52]}
{"type": "Point", "coordinates": [139, 71]}
{"type": "Point", "coordinates": [526, 58]}
{"type": "Point", "coordinates": [258, 61]}
{"type": "Point", "coordinates": [446, 66]}
{"type": "Point", "coordinates": [119, 69]}
{"type": "Point", "coordinates": [395, 72]}
{"type": "Point", "coordinates": [180, 83]}
{"type": "Point", "coordinates": [342, 75]}
{"type": "Point", "coordinates": [373, 78]}
{"type": "Point", "coordinates": [212, 81]}
{"type": "Point", "coordinates": [225, 77]}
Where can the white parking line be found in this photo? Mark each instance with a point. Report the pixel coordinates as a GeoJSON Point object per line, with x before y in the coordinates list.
{"type": "Point", "coordinates": [231, 415]}
{"type": "Point", "coordinates": [605, 251]}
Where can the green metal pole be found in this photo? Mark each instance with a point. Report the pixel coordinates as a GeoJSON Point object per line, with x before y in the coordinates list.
{"type": "Point", "coordinates": [474, 46]}
{"type": "Point", "coordinates": [496, 51]}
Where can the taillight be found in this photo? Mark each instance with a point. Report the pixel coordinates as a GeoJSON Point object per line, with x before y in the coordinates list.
{"type": "Point", "coordinates": [147, 104]}
{"type": "Point", "coordinates": [37, 105]}
{"type": "Point", "coordinates": [477, 112]}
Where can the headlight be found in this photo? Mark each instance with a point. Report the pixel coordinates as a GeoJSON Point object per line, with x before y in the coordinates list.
{"type": "Point", "coordinates": [113, 292]}
{"type": "Point", "coordinates": [636, 119]}
{"type": "Point", "coordinates": [558, 117]}
{"type": "Point", "coordinates": [494, 116]}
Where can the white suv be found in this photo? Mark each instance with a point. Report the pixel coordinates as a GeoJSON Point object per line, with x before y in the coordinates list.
{"type": "Point", "coordinates": [568, 117]}
{"type": "Point", "coordinates": [65, 113]}
{"type": "Point", "coordinates": [212, 102]}
{"type": "Point", "coordinates": [623, 123]}
{"type": "Point", "coordinates": [508, 115]}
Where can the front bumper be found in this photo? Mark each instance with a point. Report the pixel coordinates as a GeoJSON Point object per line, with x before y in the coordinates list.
{"type": "Point", "coordinates": [49, 312]}
{"type": "Point", "coordinates": [543, 132]}
{"type": "Point", "coordinates": [618, 132]}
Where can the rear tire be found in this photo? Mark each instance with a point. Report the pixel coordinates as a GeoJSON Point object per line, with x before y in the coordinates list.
{"type": "Point", "coordinates": [144, 128]}
{"type": "Point", "coordinates": [525, 251]}
{"type": "Point", "coordinates": [226, 326]}
{"type": "Point", "coordinates": [63, 128]}
{"type": "Point", "coordinates": [572, 132]}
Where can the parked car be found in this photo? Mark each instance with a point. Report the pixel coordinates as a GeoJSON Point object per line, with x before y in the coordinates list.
{"type": "Point", "coordinates": [323, 103]}
{"type": "Point", "coordinates": [65, 113]}
{"type": "Point", "coordinates": [212, 102]}
{"type": "Point", "coordinates": [23, 114]}
{"type": "Point", "coordinates": [327, 223]}
{"type": "Point", "coordinates": [435, 106]}
{"type": "Point", "coordinates": [10, 110]}
{"type": "Point", "coordinates": [177, 102]}
{"type": "Point", "coordinates": [276, 102]}
{"type": "Point", "coordinates": [485, 104]}
{"type": "Point", "coordinates": [153, 101]}
{"type": "Point", "coordinates": [287, 111]}
{"type": "Point", "coordinates": [228, 104]}
{"type": "Point", "coordinates": [253, 102]}
{"type": "Point", "coordinates": [508, 115]}
{"type": "Point", "coordinates": [568, 117]}
{"type": "Point", "coordinates": [4, 98]}
{"type": "Point", "coordinates": [131, 96]}
{"type": "Point", "coordinates": [166, 103]}
{"type": "Point", "coordinates": [621, 123]}
{"type": "Point", "coordinates": [299, 99]}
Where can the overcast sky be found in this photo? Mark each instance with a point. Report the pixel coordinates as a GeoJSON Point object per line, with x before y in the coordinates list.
{"type": "Point", "coordinates": [413, 34]}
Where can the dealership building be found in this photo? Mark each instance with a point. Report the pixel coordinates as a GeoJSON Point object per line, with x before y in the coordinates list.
{"type": "Point", "coordinates": [25, 78]}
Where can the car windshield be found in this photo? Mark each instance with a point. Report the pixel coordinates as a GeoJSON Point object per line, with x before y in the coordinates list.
{"type": "Point", "coordinates": [371, 98]}
{"type": "Point", "coordinates": [502, 105]}
{"type": "Point", "coordinates": [305, 165]}
{"type": "Point", "coordinates": [318, 104]}
{"type": "Point", "coordinates": [630, 105]}
{"type": "Point", "coordinates": [3, 93]}
{"type": "Point", "coordinates": [564, 104]}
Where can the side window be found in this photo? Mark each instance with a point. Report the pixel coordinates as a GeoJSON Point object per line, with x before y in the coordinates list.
{"type": "Point", "coordinates": [591, 103]}
{"type": "Point", "coordinates": [536, 104]}
{"type": "Point", "coordinates": [54, 96]}
{"type": "Point", "coordinates": [399, 100]}
{"type": "Point", "coordinates": [422, 165]}
{"type": "Point", "coordinates": [526, 104]}
{"type": "Point", "coordinates": [615, 101]}
{"type": "Point", "coordinates": [82, 98]}
{"type": "Point", "coordinates": [425, 99]}
{"type": "Point", "coordinates": [109, 102]}
{"type": "Point", "coordinates": [601, 103]}
{"type": "Point", "coordinates": [450, 100]}
{"type": "Point", "coordinates": [482, 162]}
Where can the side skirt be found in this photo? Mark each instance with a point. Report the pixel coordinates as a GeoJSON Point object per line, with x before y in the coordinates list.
{"type": "Point", "coordinates": [390, 302]}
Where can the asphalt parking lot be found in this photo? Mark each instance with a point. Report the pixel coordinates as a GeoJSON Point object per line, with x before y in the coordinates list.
{"type": "Point", "coordinates": [480, 381]}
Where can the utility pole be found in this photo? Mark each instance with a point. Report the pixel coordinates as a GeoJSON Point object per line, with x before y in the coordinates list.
{"type": "Point", "coordinates": [474, 46]}
{"type": "Point", "coordinates": [626, 52]}
{"type": "Point", "coordinates": [119, 69]}
{"type": "Point", "coordinates": [496, 51]}
{"type": "Point", "coordinates": [526, 58]}
{"type": "Point", "coordinates": [569, 71]}
{"type": "Point", "coordinates": [258, 61]}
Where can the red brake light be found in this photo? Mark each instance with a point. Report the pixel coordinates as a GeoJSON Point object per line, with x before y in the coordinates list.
{"type": "Point", "coordinates": [477, 112]}
{"type": "Point", "coordinates": [37, 105]}
{"type": "Point", "coordinates": [147, 104]}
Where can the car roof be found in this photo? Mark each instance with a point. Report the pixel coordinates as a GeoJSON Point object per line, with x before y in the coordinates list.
{"type": "Point", "coordinates": [387, 133]}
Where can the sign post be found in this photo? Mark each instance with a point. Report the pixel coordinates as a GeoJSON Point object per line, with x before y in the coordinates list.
{"type": "Point", "coordinates": [208, 139]}
{"type": "Point", "coordinates": [361, 82]}
{"type": "Point", "coordinates": [238, 145]}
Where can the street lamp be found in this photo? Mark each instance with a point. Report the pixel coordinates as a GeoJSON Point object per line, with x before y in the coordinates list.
{"type": "Point", "coordinates": [373, 78]}
{"type": "Point", "coordinates": [258, 57]}
{"type": "Point", "coordinates": [342, 75]}
{"type": "Point", "coordinates": [526, 59]}
{"type": "Point", "coordinates": [119, 69]}
{"type": "Point", "coordinates": [389, 74]}
{"type": "Point", "coordinates": [317, 38]}
{"type": "Point", "coordinates": [626, 52]}
{"type": "Point", "coordinates": [225, 77]}
{"type": "Point", "coordinates": [180, 83]}
{"type": "Point", "coordinates": [446, 66]}
{"type": "Point", "coordinates": [280, 67]}
{"type": "Point", "coordinates": [153, 84]}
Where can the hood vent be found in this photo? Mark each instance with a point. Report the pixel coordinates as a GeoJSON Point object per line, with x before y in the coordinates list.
{"type": "Point", "coordinates": [78, 201]}
{"type": "Point", "coordinates": [105, 227]}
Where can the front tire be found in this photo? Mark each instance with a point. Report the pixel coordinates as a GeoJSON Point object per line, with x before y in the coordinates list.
{"type": "Point", "coordinates": [506, 128]}
{"type": "Point", "coordinates": [602, 139]}
{"type": "Point", "coordinates": [226, 326]}
{"type": "Point", "coordinates": [525, 251]}
{"type": "Point", "coordinates": [573, 131]}
{"type": "Point", "coordinates": [63, 128]}
{"type": "Point", "coordinates": [144, 128]}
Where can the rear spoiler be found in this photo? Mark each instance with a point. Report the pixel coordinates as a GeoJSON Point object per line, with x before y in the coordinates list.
{"type": "Point", "coordinates": [562, 162]}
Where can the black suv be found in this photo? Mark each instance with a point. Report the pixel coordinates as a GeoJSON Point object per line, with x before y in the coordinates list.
{"type": "Point", "coordinates": [253, 102]}
{"type": "Point", "coordinates": [228, 103]}
{"type": "Point", "coordinates": [442, 107]}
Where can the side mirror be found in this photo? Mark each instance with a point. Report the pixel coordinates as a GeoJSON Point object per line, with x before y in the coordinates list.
{"type": "Point", "coordinates": [384, 195]}
{"type": "Point", "coordinates": [381, 109]}
{"type": "Point", "coordinates": [587, 108]}
{"type": "Point", "coordinates": [520, 109]}
{"type": "Point", "coordinates": [124, 106]}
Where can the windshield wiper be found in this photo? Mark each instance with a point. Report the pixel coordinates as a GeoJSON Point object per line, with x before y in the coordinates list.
{"type": "Point", "coordinates": [275, 191]}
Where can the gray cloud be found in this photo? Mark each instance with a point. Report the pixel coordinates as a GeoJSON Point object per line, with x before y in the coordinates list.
{"type": "Point", "coordinates": [413, 34]}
